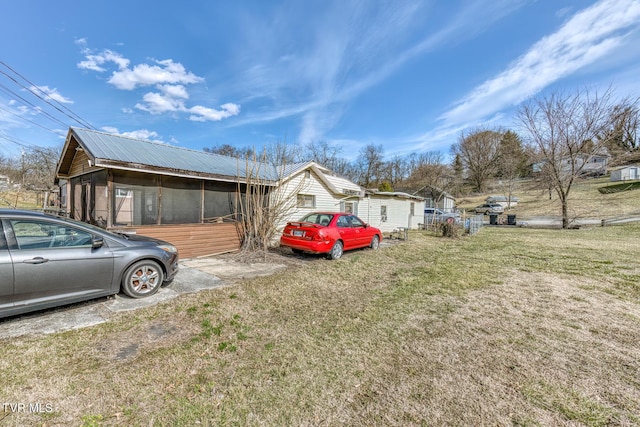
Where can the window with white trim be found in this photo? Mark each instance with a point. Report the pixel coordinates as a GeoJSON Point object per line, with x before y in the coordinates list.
{"type": "Point", "coordinates": [306, 201]}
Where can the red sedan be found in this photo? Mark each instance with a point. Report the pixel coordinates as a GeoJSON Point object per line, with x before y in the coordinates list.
{"type": "Point", "coordinates": [331, 233]}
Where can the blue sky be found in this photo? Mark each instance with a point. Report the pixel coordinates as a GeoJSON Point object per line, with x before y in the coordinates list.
{"type": "Point", "coordinates": [409, 75]}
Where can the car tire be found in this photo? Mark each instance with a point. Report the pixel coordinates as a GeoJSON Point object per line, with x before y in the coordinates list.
{"type": "Point", "coordinates": [375, 242]}
{"type": "Point", "coordinates": [142, 279]}
{"type": "Point", "coordinates": [336, 251]}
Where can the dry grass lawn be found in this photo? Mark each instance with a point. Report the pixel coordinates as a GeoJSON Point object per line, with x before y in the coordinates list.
{"type": "Point", "coordinates": [508, 327]}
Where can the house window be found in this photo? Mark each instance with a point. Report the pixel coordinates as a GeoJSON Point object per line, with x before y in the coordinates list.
{"type": "Point", "coordinates": [383, 213]}
{"type": "Point", "coordinates": [413, 208]}
{"type": "Point", "coordinates": [306, 201]}
{"type": "Point", "coordinates": [349, 207]}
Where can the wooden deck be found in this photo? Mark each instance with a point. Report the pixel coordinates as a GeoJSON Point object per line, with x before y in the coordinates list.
{"type": "Point", "coordinates": [193, 240]}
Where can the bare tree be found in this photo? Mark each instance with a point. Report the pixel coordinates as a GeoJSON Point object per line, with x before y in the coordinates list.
{"type": "Point", "coordinates": [370, 164]}
{"type": "Point", "coordinates": [623, 138]}
{"type": "Point", "coordinates": [230, 151]}
{"type": "Point", "coordinates": [565, 130]}
{"type": "Point", "coordinates": [34, 170]}
{"type": "Point", "coordinates": [266, 199]}
{"type": "Point", "coordinates": [479, 153]}
{"type": "Point", "coordinates": [324, 154]}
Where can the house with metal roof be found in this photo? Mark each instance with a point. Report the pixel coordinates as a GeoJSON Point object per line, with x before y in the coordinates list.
{"type": "Point", "coordinates": [190, 198]}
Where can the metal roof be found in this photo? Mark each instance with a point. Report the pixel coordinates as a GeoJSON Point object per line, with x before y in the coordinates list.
{"type": "Point", "coordinates": [111, 150]}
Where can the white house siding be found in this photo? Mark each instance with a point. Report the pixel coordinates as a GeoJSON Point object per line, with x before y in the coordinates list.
{"type": "Point", "coordinates": [398, 212]}
{"type": "Point", "coordinates": [325, 199]}
{"type": "Point", "coordinates": [332, 193]}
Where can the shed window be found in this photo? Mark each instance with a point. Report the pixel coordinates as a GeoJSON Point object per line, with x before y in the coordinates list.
{"type": "Point", "coordinates": [383, 213]}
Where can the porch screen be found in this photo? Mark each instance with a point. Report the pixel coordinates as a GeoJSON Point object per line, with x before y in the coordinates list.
{"type": "Point", "coordinates": [219, 200]}
{"type": "Point", "coordinates": [181, 201]}
{"type": "Point", "coordinates": [135, 199]}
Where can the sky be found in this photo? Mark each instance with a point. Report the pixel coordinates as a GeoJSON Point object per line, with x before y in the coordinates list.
{"type": "Point", "coordinates": [409, 75]}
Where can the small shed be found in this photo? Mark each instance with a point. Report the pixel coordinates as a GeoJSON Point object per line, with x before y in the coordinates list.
{"type": "Point", "coordinates": [392, 210]}
{"type": "Point", "coordinates": [625, 173]}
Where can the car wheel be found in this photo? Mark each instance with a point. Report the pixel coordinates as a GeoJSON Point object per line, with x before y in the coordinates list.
{"type": "Point", "coordinates": [142, 279]}
{"type": "Point", "coordinates": [336, 250]}
{"type": "Point", "coordinates": [375, 242]}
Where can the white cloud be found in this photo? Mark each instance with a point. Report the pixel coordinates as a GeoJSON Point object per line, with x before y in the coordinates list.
{"type": "Point", "coordinates": [344, 52]}
{"type": "Point", "coordinates": [584, 39]}
{"type": "Point", "coordinates": [158, 103]}
{"type": "Point", "coordinates": [52, 94]}
{"type": "Point", "coordinates": [96, 62]}
{"type": "Point", "coordinates": [169, 78]}
{"type": "Point", "coordinates": [164, 72]}
{"type": "Point", "coordinates": [201, 114]}
{"type": "Point", "coordinates": [144, 134]}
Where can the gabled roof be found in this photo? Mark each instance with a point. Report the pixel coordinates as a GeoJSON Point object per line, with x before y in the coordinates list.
{"type": "Point", "coordinates": [335, 184]}
{"type": "Point", "coordinates": [120, 152]}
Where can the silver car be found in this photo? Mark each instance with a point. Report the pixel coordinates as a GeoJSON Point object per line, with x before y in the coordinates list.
{"type": "Point", "coordinates": [489, 208]}
{"type": "Point", "coordinates": [48, 261]}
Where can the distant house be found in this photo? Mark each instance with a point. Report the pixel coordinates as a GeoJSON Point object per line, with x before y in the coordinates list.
{"type": "Point", "coordinates": [438, 198]}
{"type": "Point", "coordinates": [584, 164]}
{"type": "Point", "coordinates": [4, 182]}
{"type": "Point", "coordinates": [315, 188]}
{"type": "Point", "coordinates": [625, 173]}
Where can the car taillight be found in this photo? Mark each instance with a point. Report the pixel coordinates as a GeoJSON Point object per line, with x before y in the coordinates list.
{"type": "Point", "coordinates": [318, 237]}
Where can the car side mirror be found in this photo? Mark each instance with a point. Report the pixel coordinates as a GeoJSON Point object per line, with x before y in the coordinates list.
{"type": "Point", "coordinates": [366, 225]}
{"type": "Point", "coordinates": [97, 242]}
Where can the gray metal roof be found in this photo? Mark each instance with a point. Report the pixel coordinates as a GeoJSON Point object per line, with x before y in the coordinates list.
{"type": "Point", "coordinates": [107, 148]}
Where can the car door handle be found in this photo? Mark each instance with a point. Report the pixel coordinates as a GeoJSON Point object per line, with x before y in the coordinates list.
{"type": "Point", "coordinates": [36, 260]}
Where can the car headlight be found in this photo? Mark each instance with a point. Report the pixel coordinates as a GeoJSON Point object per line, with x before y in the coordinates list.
{"type": "Point", "coordinates": [169, 248]}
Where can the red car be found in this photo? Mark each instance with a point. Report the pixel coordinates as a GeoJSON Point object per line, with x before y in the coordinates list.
{"type": "Point", "coordinates": [329, 233]}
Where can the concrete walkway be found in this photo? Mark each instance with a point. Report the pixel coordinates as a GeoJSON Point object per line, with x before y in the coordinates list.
{"type": "Point", "coordinates": [81, 315]}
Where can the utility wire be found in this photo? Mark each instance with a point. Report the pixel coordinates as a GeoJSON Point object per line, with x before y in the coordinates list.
{"type": "Point", "coordinates": [9, 92]}
{"type": "Point", "coordinates": [40, 94]}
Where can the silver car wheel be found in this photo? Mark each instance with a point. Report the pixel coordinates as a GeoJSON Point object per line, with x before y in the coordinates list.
{"type": "Point", "coordinates": [142, 279]}
{"type": "Point", "coordinates": [375, 242]}
{"type": "Point", "coordinates": [336, 250]}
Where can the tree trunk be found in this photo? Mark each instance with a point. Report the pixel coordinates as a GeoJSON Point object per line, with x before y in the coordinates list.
{"type": "Point", "coordinates": [565, 213]}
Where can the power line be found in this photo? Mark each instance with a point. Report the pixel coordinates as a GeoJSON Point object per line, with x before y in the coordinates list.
{"type": "Point", "coordinates": [40, 94]}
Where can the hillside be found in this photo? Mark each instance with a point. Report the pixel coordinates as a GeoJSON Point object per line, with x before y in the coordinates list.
{"type": "Point", "coordinates": [585, 200]}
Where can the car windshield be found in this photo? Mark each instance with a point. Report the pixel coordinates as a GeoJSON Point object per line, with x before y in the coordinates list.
{"type": "Point", "coordinates": [318, 218]}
